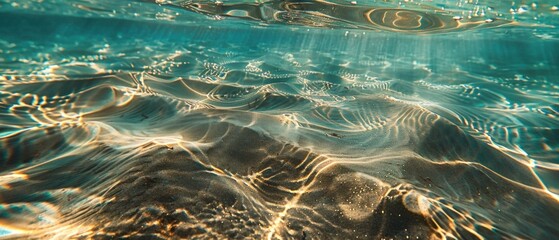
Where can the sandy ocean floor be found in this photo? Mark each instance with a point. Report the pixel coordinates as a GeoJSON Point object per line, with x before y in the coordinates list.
{"type": "Point", "coordinates": [278, 120]}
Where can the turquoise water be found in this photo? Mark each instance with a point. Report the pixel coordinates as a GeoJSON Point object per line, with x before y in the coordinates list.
{"type": "Point", "coordinates": [279, 119]}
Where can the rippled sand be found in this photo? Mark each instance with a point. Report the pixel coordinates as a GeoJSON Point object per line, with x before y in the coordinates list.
{"type": "Point", "coordinates": [278, 120]}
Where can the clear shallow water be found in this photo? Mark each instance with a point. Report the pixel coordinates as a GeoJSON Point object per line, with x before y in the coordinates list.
{"type": "Point", "coordinates": [293, 119]}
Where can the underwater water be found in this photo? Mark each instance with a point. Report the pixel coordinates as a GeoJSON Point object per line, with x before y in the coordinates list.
{"type": "Point", "coordinates": [166, 119]}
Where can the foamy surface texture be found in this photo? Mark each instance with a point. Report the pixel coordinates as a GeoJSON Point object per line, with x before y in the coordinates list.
{"type": "Point", "coordinates": [193, 119]}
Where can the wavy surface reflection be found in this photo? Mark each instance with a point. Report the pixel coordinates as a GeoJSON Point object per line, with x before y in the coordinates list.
{"type": "Point", "coordinates": [308, 121]}
{"type": "Point", "coordinates": [341, 15]}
